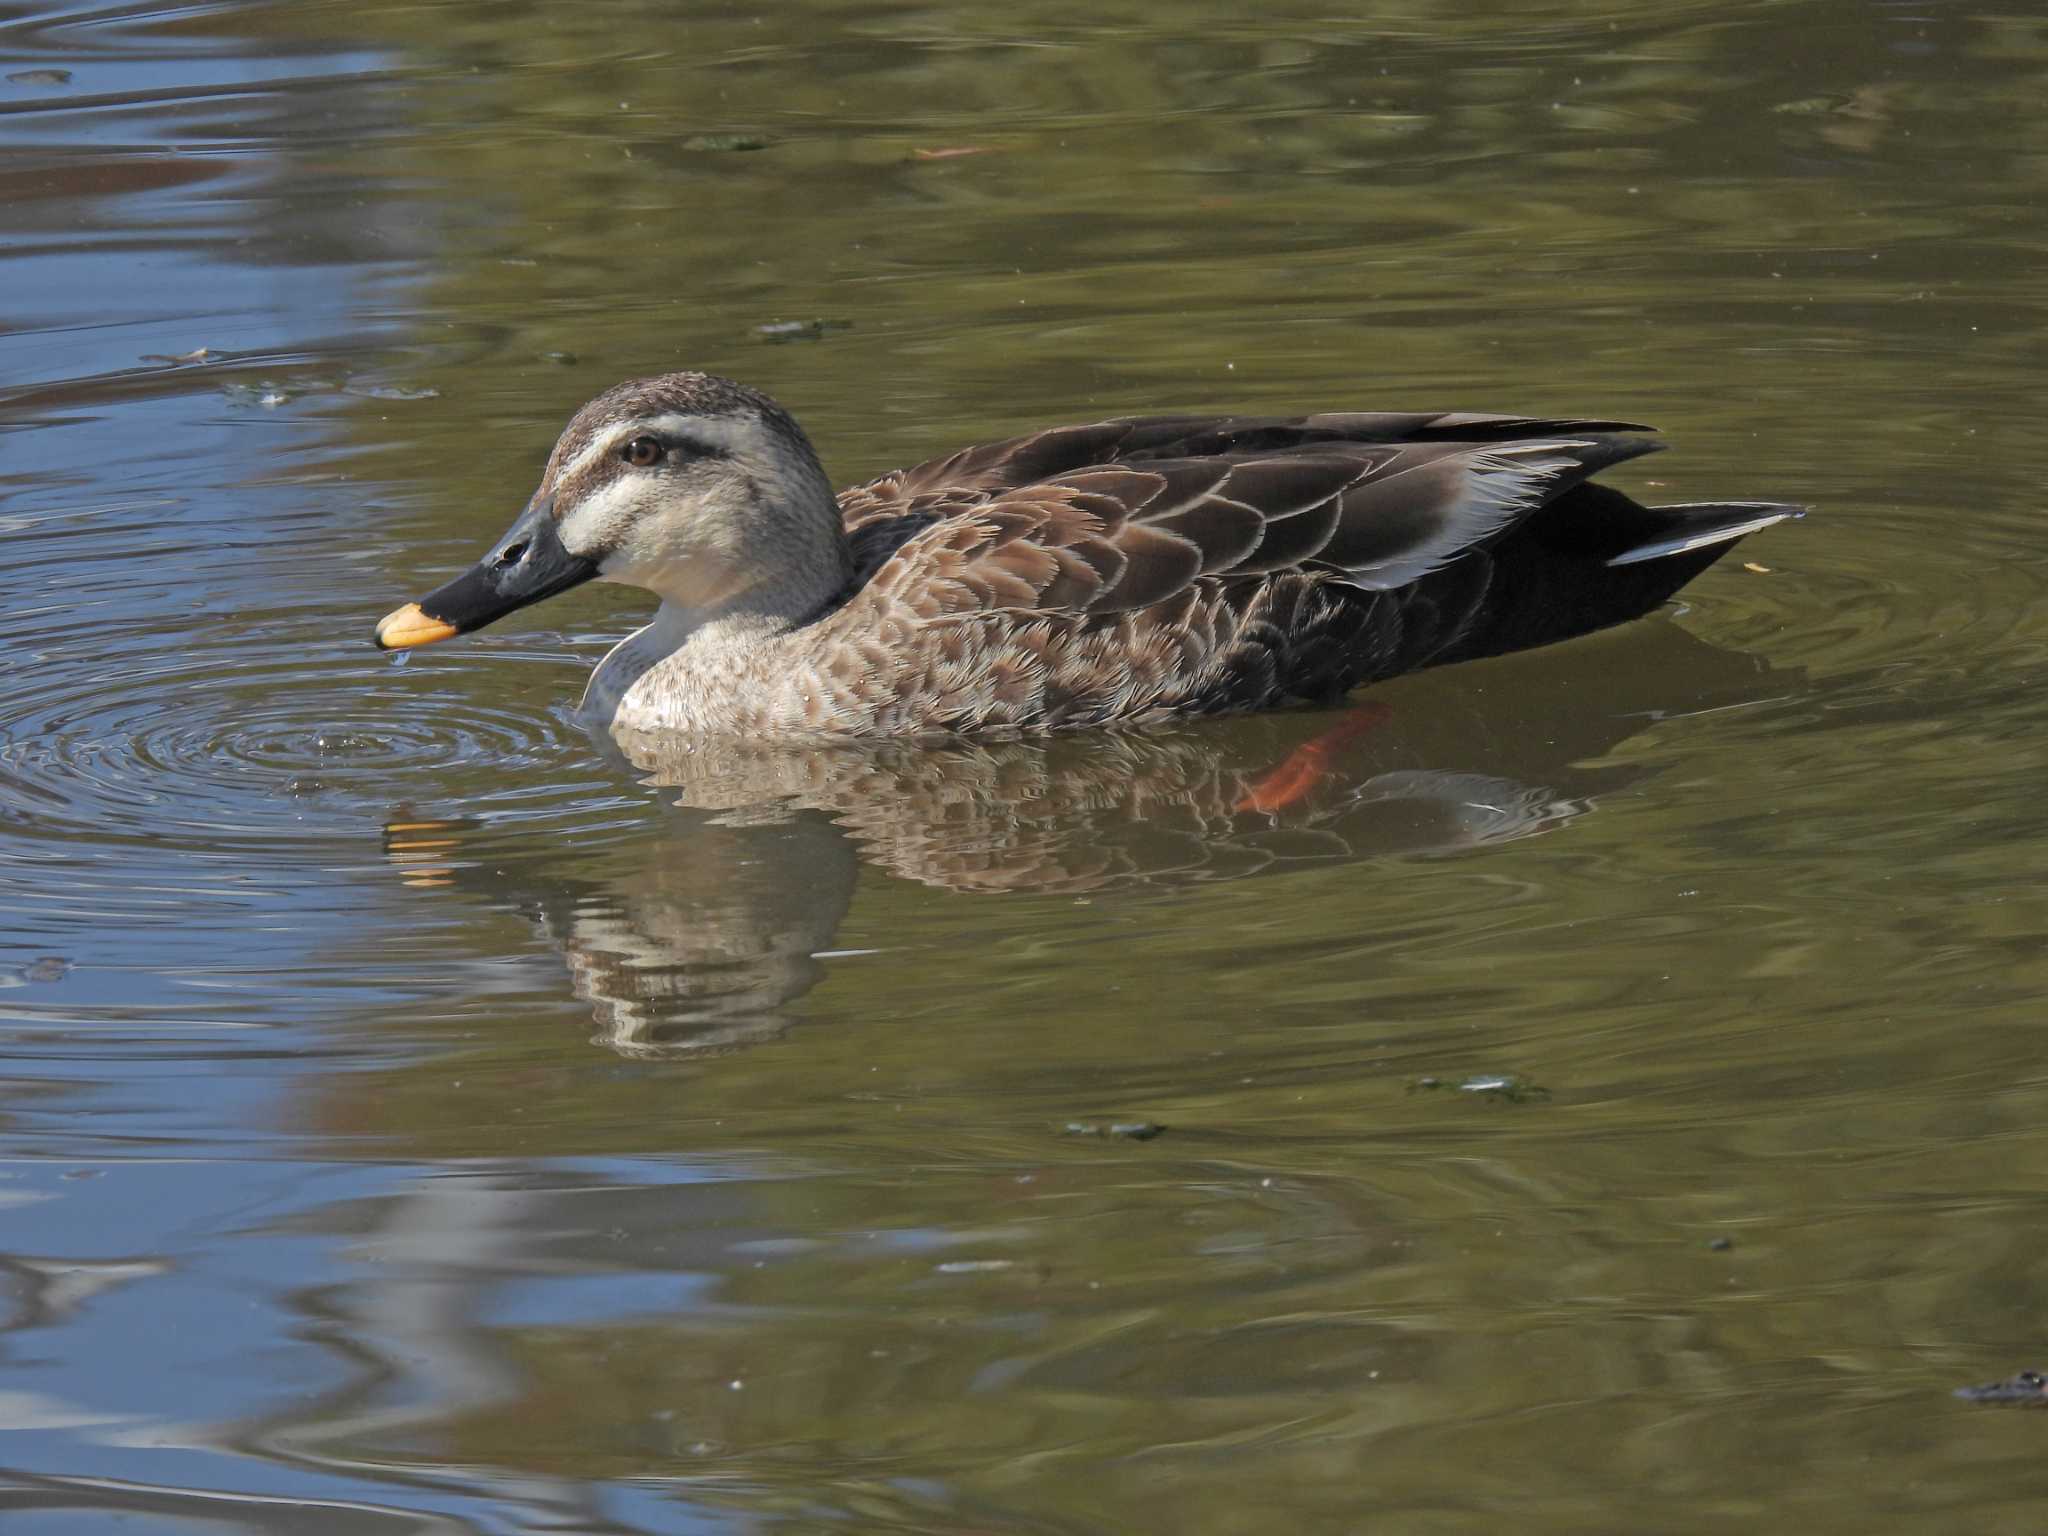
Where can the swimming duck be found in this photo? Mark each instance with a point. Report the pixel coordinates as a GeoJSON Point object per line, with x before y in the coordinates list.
{"type": "Point", "coordinates": [1130, 570]}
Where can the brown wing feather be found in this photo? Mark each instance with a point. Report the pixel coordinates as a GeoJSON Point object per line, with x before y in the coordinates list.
{"type": "Point", "coordinates": [1168, 564]}
{"type": "Point", "coordinates": [977, 474]}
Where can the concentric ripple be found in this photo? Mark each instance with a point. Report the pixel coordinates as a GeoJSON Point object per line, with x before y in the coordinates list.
{"type": "Point", "coordinates": [158, 743]}
{"type": "Point", "coordinates": [248, 746]}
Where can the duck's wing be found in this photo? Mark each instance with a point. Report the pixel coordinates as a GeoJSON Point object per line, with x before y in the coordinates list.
{"type": "Point", "coordinates": [1118, 516]}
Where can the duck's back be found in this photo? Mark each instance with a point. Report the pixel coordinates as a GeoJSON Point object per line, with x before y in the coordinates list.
{"type": "Point", "coordinates": [1133, 569]}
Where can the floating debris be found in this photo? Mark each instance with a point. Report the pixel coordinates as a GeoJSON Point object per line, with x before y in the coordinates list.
{"type": "Point", "coordinates": [37, 973]}
{"type": "Point", "coordinates": [1123, 1130]}
{"type": "Point", "coordinates": [1814, 106]}
{"type": "Point", "coordinates": [953, 152]}
{"type": "Point", "coordinates": [799, 330]}
{"type": "Point", "coordinates": [269, 396]}
{"type": "Point", "coordinates": [391, 391]}
{"type": "Point", "coordinates": [1504, 1086]}
{"type": "Point", "coordinates": [2025, 1389]}
{"type": "Point", "coordinates": [1761, 570]}
{"type": "Point", "coordinates": [974, 1266]}
{"type": "Point", "coordinates": [561, 359]}
{"type": "Point", "coordinates": [41, 77]}
{"type": "Point", "coordinates": [196, 355]}
{"type": "Point", "coordinates": [1720, 1244]}
{"type": "Point", "coordinates": [726, 143]}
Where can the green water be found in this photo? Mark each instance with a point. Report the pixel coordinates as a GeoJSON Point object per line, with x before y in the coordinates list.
{"type": "Point", "coordinates": [416, 1118]}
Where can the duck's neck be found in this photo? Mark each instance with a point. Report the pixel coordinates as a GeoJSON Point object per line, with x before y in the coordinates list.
{"type": "Point", "coordinates": [706, 646]}
{"type": "Point", "coordinates": [806, 579]}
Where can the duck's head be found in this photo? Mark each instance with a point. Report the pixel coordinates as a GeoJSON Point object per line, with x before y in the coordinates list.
{"type": "Point", "coordinates": [701, 490]}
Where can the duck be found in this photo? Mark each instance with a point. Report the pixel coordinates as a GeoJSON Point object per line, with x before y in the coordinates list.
{"type": "Point", "coordinates": [1129, 571]}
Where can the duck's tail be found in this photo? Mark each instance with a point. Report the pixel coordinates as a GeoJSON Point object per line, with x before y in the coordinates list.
{"type": "Point", "coordinates": [1664, 532]}
{"type": "Point", "coordinates": [1591, 558]}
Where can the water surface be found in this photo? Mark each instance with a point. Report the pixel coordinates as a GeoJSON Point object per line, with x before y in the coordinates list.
{"type": "Point", "coordinates": [418, 1116]}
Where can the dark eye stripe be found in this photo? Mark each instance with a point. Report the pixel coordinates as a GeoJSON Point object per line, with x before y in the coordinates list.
{"type": "Point", "coordinates": [685, 447]}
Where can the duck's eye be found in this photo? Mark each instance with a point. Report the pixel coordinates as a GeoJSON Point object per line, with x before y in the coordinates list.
{"type": "Point", "coordinates": [642, 452]}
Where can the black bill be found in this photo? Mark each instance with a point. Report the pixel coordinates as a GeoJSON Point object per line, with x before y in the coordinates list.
{"type": "Point", "coordinates": [528, 565]}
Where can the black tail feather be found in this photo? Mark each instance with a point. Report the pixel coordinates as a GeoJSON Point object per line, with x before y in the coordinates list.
{"type": "Point", "coordinates": [1678, 530]}
{"type": "Point", "coordinates": [1594, 558]}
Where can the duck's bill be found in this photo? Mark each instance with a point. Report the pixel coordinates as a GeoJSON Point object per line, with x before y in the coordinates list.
{"type": "Point", "coordinates": [528, 564]}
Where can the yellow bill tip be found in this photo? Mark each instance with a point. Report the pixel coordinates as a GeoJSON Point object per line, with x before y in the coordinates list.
{"type": "Point", "coordinates": [410, 626]}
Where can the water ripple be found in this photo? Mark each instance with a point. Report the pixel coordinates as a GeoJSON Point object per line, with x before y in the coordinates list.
{"type": "Point", "coordinates": [154, 744]}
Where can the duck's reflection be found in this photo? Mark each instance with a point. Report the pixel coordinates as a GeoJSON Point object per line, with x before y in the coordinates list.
{"type": "Point", "coordinates": [690, 939]}
{"type": "Point", "coordinates": [701, 933]}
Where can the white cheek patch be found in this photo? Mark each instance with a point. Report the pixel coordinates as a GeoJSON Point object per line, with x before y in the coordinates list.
{"type": "Point", "coordinates": [637, 541]}
{"type": "Point", "coordinates": [598, 524]}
